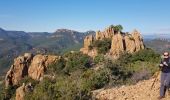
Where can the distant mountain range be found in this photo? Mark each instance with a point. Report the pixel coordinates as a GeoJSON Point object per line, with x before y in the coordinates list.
{"type": "Point", "coordinates": [156, 36]}
{"type": "Point", "coordinates": [14, 43]}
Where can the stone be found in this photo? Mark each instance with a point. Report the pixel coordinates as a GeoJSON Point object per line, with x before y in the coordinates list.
{"type": "Point", "coordinates": [39, 65]}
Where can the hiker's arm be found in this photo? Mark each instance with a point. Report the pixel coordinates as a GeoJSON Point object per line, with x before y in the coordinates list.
{"type": "Point", "coordinates": [161, 64]}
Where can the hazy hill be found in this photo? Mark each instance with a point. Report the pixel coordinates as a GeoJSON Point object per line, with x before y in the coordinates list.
{"type": "Point", "coordinates": [158, 45]}
{"type": "Point", "coordinates": [14, 43]}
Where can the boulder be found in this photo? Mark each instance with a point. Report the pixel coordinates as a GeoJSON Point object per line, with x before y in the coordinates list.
{"type": "Point", "coordinates": [39, 65]}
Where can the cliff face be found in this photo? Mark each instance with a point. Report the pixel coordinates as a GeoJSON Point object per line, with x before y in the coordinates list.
{"type": "Point", "coordinates": [121, 42]}
{"type": "Point", "coordinates": [28, 65]}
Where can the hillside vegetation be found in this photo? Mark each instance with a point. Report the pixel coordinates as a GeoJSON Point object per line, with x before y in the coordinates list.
{"type": "Point", "coordinates": [78, 74]}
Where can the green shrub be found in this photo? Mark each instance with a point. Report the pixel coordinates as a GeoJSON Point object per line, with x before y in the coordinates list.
{"type": "Point", "coordinates": [99, 58]}
{"type": "Point", "coordinates": [81, 79]}
{"type": "Point", "coordinates": [7, 93]}
{"type": "Point", "coordinates": [56, 67]}
{"type": "Point", "coordinates": [76, 61]}
{"type": "Point", "coordinates": [45, 90]}
{"type": "Point", "coordinates": [103, 46]}
{"type": "Point", "coordinates": [27, 80]}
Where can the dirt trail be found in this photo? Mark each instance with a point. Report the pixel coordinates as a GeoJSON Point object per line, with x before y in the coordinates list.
{"type": "Point", "coordinates": [140, 91]}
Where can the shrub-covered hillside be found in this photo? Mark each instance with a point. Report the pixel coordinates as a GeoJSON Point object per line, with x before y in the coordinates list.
{"type": "Point", "coordinates": [76, 75]}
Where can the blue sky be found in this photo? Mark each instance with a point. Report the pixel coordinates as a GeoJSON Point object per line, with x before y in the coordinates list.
{"type": "Point", "coordinates": [148, 16]}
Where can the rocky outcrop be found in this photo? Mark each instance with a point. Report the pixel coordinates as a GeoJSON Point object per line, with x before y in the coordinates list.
{"type": "Point", "coordinates": [121, 42]}
{"type": "Point", "coordinates": [126, 43]}
{"type": "Point", "coordinates": [130, 43]}
{"type": "Point", "coordinates": [20, 92]}
{"type": "Point", "coordinates": [141, 91]}
{"type": "Point", "coordinates": [107, 33]}
{"type": "Point", "coordinates": [18, 70]}
{"type": "Point", "coordinates": [87, 43]}
{"type": "Point", "coordinates": [117, 46]}
{"type": "Point", "coordinates": [138, 40]}
{"type": "Point", "coordinates": [39, 65]}
{"type": "Point", "coordinates": [28, 65]}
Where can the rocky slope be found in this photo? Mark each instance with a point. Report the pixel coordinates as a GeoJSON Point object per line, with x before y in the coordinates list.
{"type": "Point", "coordinates": [141, 91]}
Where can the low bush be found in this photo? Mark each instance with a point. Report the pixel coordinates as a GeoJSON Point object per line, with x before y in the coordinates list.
{"type": "Point", "coordinates": [103, 46]}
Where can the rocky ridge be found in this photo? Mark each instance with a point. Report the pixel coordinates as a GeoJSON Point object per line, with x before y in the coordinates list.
{"type": "Point", "coordinates": [121, 42]}
{"type": "Point", "coordinates": [28, 65]}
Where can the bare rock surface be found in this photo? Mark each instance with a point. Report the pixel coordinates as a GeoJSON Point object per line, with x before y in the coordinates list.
{"type": "Point", "coordinates": [28, 65]}
{"type": "Point", "coordinates": [121, 42]}
{"type": "Point", "coordinates": [18, 70]}
{"type": "Point", "coordinates": [140, 91]}
{"type": "Point", "coordinates": [39, 65]}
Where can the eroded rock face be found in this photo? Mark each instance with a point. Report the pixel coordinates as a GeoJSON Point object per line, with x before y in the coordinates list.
{"type": "Point", "coordinates": [126, 43]}
{"type": "Point", "coordinates": [28, 65]}
{"type": "Point", "coordinates": [121, 42]}
{"type": "Point", "coordinates": [18, 70]}
{"type": "Point", "coordinates": [39, 65]}
{"type": "Point", "coordinates": [138, 40]}
{"type": "Point", "coordinates": [107, 33]}
{"type": "Point", "coordinates": [130, 44]}
{"type": "Point", "coordinates": [87, 42]}
{"type": "Point", "coordinates": [117, 46]}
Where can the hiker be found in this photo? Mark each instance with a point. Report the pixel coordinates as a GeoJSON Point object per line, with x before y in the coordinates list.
{"type": "Point", "coordinates": [165, 74]}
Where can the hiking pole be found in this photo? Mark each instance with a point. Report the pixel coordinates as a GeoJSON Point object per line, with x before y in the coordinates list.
{"type": "Point", "coordinates": [156, 77]}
